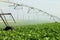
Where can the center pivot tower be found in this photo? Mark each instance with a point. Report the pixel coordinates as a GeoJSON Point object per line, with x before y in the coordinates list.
{"type": "Point", "coordinates": [8, 27]}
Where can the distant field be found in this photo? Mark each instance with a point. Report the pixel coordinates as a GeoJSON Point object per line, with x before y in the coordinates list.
{"type": "Point", "coordinates": [46, 31]}
{"type": "Point", "coordinates": [23, 22]}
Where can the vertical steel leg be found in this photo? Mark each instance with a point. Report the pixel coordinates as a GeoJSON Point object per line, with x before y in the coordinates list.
{"type": "Point", "coordinates": [6, 20]}
{"type": "Point", "coordinates": [54, 20]}
{"type": "Point", "coordinates": [13, 19]}
{"type": "Point", "coordinates": [3, 20]}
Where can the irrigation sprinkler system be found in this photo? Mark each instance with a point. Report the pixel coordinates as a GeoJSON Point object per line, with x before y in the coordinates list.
{"type": "Point", "coordinates": [32, 8]}
{"type": "Point", "coordinates": [8, 27]}
{"type": "Point", "coordinates": [29, 9]}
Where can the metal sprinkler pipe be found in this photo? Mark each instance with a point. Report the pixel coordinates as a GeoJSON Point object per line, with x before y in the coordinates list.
{"type": "Point", "coordinates": [32, 8]}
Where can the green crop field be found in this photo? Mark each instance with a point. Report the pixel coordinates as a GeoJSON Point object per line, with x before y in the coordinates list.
{"type": "Point", "coordinates": [47, 31]}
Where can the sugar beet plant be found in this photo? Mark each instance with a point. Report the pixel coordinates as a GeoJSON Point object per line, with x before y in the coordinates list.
{"type": "Point", "coordinates": [50, 31]}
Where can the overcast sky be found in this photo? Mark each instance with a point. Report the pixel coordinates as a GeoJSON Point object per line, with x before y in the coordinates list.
{"type": "Point", "coordinates": [50, 6]}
